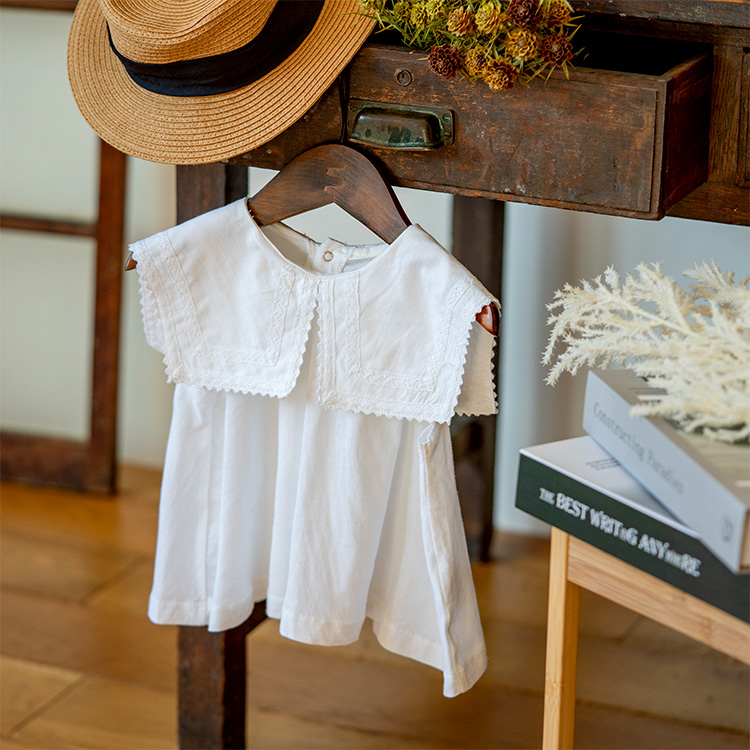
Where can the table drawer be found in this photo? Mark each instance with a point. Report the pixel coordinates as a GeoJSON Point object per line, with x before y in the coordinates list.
{"type": "Point", "coordinates": [608, 141]}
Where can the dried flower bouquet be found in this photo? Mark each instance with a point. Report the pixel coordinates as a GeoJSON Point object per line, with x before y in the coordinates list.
{"type": "Point", "coordinates": [493, 41]}
{"type": "Point", "coordinates": [694, 344]}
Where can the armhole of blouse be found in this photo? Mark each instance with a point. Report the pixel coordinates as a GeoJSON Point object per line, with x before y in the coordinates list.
{"type": "Point", "coordinates": [477, 395]}
{"type": "Point", "coordinates": [149, 283]}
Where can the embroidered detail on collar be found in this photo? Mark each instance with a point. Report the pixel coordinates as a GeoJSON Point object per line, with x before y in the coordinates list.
{"type": "Point", "coordinates": [424, 382]}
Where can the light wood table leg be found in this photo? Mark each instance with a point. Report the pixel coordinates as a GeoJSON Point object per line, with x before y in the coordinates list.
{"type": "Point", "coordinates": [562, 649]}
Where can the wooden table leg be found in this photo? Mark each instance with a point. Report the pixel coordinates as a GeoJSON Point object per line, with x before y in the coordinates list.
{"type": "Point", "coordinates": [478, 226]}
{"type": "Point", "coordinates": [212, 687]}
{"type": "Point", "coordinates": [562, 649]}
{"type": "Point", "coordinates": [212, 665]}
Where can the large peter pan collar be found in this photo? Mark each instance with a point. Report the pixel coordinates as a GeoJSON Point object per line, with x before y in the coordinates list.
{"type": "Point", "coordinates": [231, 306]}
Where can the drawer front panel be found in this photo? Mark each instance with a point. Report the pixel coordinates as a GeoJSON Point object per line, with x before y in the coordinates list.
{"type": "Point", "coordinates": [595, 141]}
{"type": "Point", "coordinates": [583, 141]}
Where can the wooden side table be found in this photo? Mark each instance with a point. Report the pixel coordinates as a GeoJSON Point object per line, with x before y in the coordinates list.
{"type": "Point", "coordinates": [575, 564]}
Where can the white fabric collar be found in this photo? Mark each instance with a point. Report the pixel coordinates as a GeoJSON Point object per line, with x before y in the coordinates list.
{"type": "Point", "coordinates": [231, 306]}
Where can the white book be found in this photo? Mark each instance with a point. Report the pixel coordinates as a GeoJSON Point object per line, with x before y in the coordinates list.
{"type": "Point", "coordinates": [705, 484]}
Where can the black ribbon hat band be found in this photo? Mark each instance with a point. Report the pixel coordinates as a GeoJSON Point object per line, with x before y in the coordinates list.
{"type": "Point", "coordinates": [287, 27]}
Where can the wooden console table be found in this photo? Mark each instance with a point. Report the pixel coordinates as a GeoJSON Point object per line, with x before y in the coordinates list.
{"type": "Point", "coordinates": [667, 140]}
{"type": "Point", "coordinates": [575, 564]}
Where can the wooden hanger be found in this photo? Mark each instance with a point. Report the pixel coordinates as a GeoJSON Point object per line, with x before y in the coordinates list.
{"type": "Point", "coordinates": [334, 173]}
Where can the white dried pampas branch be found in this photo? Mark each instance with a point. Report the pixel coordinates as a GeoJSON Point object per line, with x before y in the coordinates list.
{"type": "Point", "coordinates": [695, 345]}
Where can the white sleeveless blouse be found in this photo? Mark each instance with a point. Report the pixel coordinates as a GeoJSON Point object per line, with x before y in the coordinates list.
{"type": "Point", "coordinates": [309, 460]}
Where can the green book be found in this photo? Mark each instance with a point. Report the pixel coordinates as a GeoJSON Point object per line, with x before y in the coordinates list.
{"type": "Point", "coordinates": [578, 487]}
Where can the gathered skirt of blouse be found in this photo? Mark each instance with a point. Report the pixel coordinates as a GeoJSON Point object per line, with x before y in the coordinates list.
{"type": "Point", "coordinates": [327, 515]}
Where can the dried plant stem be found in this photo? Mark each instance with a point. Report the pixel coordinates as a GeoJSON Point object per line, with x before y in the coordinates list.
{"type": "Point", "coordinates": [695, 345]}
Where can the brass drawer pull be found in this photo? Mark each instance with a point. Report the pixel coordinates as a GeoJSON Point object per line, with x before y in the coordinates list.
{"type": "Point", "coordinates": [394, 126]}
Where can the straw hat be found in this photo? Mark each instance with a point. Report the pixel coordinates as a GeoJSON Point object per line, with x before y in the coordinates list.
{"type": "Point", "coordinates": [193, 81]}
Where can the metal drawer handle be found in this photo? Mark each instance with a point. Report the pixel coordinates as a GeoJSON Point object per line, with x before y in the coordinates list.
{"type": "Point", "coordinates": [394, 126]}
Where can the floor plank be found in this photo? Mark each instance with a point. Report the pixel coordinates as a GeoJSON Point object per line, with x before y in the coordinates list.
{"type": "Point", "coordinates": [126, 523]}
{"type": "Point", "coordinates": [404, 702]}
{"type": "Point", "coordinates": [84, 639]}
{"type": "Point", "coordinates": [103, 713]}
{"type": "Point", "coordinates": [655, 637]}
{"type": "Point", "coordinates": [407, 707]}
{"type": "Point", "coordinates": [599, 727]}
{"type": "Point", "coordinates": [83, 667]}
{"type": "Point", "coordinates": [27, 688]}
{"type": "Point", "coordinates": [288, 674]}
{"type": "Point", "coordinates": [514, 588]}
{"type": "Point", "coordinates": [12, 743]}
{"type": "Point", "coordinates": [647, 681]}
{"type": "Point", "coordinates": [128, 592]}
{"type": "Point", "coordinates": [670, 684]}
{"type": "Point", "coordinates": [267, 729]}
{"type": "Point", "coordinates": [65, 571]}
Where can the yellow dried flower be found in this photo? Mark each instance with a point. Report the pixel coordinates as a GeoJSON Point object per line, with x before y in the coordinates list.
{"type": "Point", "coordinates": [418, 16]}
{"type": "Point", "coordinates": [490, 17]}
{"type": "Point", "coordinates": [475, 61]}
{"type": "Point", "coordinates": [436, 8]}
{"type": "Point", "coordinates": [521, 44]}
{"type": "Point", "coordinates": [461, 22]}
{"type": "Point", "coordinates": [401, 10]}
{"type": "Point", "coordinates": [557, 12]}
{"type": "Point", "coordinates": [498, 41]}
{"type": "Point", "coordinates": [500, 74]}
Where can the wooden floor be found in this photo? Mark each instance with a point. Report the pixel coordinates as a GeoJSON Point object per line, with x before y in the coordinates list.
{"type": "Point", "coordinates": [82, 666]}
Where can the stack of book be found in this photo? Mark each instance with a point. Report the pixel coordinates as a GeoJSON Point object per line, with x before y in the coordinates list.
{"type": "Point", "coordinates": [672, 504]}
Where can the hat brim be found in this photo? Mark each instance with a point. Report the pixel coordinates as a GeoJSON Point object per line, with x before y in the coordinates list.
{"type": "Point", "coordinates": [201, 129]}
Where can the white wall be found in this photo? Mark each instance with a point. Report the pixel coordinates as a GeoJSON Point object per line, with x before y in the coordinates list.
{"type": "Point", "coordinates": [48, 166]}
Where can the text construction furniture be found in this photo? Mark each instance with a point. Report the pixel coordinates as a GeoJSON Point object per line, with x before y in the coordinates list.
{"type": "Point", "coordinates": [656, 125]}
{"type": "Point", "coordinates": [88, 464]}
{"type": "Point", "coordinates": [574, 564]}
